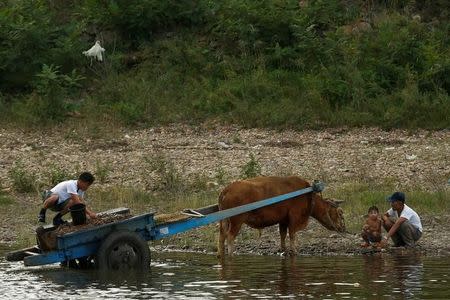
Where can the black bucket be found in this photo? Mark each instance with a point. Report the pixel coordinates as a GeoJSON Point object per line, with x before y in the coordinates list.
{"type": "Point", "coordinates": [78, 213]}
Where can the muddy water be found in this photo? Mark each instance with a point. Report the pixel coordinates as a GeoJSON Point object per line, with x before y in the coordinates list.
{"type": "Point", "coordinates": [201, 276]}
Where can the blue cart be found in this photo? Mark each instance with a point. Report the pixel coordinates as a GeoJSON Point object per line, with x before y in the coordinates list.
{"type": "Point", "coordinates": [123, 244]}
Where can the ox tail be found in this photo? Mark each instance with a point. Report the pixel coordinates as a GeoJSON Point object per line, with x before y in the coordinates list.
{"type": "Point", "coordinates": [223, 230]}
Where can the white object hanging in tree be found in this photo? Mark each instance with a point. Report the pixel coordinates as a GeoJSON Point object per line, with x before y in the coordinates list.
{"type": "Point", "coordinates": [95, 51]}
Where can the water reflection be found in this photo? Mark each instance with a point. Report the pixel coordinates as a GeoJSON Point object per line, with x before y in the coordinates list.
{"type": "Point", "coordinates": [407, 271]}
{"type": "Point", "coordinates": [289, 276]}
{"type": "Point", "coordinates": [398, 274]}
{"type": "Point", "coordinates": [197, 276]}
{"type": "Point", "coordinates": [80, 279]}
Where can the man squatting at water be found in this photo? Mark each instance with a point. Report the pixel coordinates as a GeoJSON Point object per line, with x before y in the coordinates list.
{"type": "Point", "coordinates": [401, 222]}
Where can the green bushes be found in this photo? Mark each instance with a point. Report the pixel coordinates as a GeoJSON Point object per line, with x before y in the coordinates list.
{"type": "Point", "coordinates": [29, 38]}
{"type": "Point", "coordinates": [22, 180]}
{"type": "Point", "coordinates": [255, 63]}
{"type": "Point", "coordinates": [139, 20]}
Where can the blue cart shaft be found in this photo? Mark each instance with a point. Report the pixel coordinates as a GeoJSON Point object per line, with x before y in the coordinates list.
{"type": "Point", "coordinates": [166, 229]}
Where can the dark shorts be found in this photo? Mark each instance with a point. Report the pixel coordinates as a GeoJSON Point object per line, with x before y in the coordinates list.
{"type": "Point", "coordinates": [59, 206]}
{"type": "Point", "coordinates": [406, 235]}
{"type": "Point", "coordinates": [370, 238]}
{"type": "Point", "coordinates": [374, 239]}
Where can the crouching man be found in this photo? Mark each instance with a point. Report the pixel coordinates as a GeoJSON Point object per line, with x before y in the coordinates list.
{"type": "Point", "coordinates": [64, 195]}
{"type": "Point", "coordinates": [401, 222]}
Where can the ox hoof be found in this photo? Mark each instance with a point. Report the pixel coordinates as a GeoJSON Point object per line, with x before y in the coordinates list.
{"type": "Point", "coordinates": [287, 253]}
{"type": "Point", "coordinates": [290, 252]}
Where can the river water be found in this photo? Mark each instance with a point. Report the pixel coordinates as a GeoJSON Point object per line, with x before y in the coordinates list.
{"type": "Point", "coordinates": [178, 275]}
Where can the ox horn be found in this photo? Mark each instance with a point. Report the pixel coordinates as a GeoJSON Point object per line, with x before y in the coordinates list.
{"type": "Point", "coordinates": [337, 201]}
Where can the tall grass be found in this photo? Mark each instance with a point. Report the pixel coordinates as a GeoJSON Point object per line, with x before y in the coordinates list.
{"type": "Point", "coordinates": [141, 201]}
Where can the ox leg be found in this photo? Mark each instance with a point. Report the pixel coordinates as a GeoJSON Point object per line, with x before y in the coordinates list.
{"type": "Point", "coordinates": [222, 236]}
{"type": "Point", "coordinates": [292, 241]}
{"type": "Point", "coordinates": [283, 234]}
{"type": "Point", "coordinates": [295, 225]}
{"type": "Point", "coordinates": [231, 236]}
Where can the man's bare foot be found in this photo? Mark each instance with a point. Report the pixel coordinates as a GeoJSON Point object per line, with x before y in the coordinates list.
{"type": "Point", "coordinates": [377, 245]}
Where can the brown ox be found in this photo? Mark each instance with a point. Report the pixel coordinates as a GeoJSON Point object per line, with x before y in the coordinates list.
{"type": "Point", "coordinates": [292, 214]}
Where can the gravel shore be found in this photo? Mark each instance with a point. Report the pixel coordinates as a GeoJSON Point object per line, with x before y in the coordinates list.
{"type": "Point", "coordinates": [334, 156]}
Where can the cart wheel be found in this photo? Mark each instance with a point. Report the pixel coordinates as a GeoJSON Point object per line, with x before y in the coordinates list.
{"type": "Point", "coordinates": [123, 250]}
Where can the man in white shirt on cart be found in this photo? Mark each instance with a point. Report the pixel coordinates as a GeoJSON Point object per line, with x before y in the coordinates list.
{"type": "Point", "coordinates": [64, 195]}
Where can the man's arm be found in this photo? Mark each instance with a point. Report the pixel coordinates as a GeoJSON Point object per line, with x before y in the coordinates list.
{"type": "Point", "coordinates": [90, 213]}
{"type": "Point", "coordinates": [394, 228]}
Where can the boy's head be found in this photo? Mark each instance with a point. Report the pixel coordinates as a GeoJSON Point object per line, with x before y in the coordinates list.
{"type": "Point", "coordinates": [373, 211]}
{"type": "Point", "coordinates": [85, 180]}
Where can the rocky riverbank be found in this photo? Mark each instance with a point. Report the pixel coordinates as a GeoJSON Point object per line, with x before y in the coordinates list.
{"type": "Point", "coordinates": [334, 156]}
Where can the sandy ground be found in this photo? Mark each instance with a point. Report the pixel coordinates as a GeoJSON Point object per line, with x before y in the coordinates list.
{"type": "Point", "coordinates": [335, 156]}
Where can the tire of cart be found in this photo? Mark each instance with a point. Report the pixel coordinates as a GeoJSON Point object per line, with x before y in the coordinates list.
{"type": "Point", "coordinates": [123, 250]}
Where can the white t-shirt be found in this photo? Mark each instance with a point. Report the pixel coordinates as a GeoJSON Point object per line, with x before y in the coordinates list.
{"type": "Point", "coordinates": [409, 214]}
{"type": "Point", "coordinates": [66, 189]}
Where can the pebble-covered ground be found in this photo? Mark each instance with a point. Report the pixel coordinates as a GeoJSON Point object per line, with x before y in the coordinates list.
{"type": "Point", "coordinates": [421, 157]}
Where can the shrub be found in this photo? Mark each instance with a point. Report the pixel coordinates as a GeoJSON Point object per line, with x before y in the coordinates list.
{"type": "Point", "coordinates": [57, 174]}
{"type": "Point", "coordinates": [102, 171]}
{"type": "Point", "coordinates": [49, 103]}
{"type": "Point", "coordinates": [23, 181]}
{"type": "Point", "coordinates": [170, 179]}
{"type": "Point", "coordinates": [5, 199]}
{"type": "Point", "coordinates": [251, 169]}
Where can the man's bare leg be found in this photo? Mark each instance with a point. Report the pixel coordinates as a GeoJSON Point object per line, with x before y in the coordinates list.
{"type": "Point", "coordinates": [49, 202]}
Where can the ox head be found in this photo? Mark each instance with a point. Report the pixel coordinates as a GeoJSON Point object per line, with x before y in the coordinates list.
{"type": "Point", "coordinates": [332, 216]}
